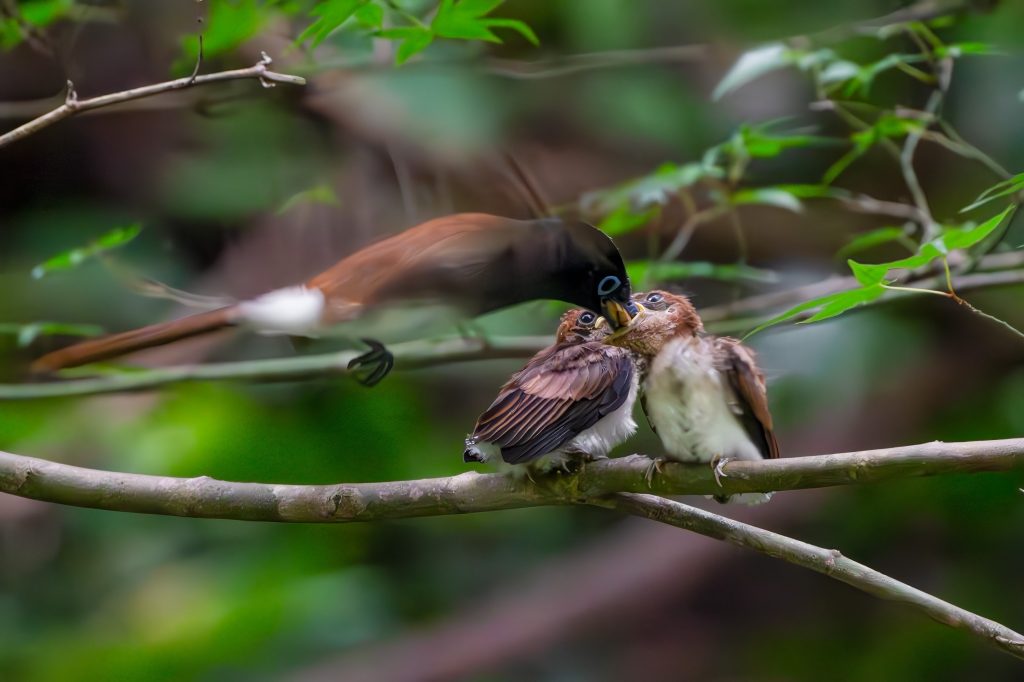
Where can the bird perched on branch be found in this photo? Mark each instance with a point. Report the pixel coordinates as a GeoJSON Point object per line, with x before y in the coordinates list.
{"type": "Point", "coordinates": [704, 395]}
{"type": "Point", "coordinates": [471, 262]}
{"type": "Point", "coordinates": [572, 400]}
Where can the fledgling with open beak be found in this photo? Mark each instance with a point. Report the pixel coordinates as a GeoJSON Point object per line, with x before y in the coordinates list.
{"type": "Point", "coordinates": [468, 263]}
{"type": "Point", "coordinates": [704, 395]}
{"type": "Point", "coordinates": [573, 401]}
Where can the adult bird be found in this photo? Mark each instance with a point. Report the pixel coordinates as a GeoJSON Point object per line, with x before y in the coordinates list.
{"type": "Point", "coordinates": [704, 395]}
{"type": "Point", "coordinates": [573, 401]}
{"type": "Point", "coordinates": [470, 262]}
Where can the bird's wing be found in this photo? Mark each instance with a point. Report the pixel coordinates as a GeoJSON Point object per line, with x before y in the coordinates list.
{"type": "Point", "coordinates": [737, 364]}
{"type": "Point", "coordinates": [561, 392]}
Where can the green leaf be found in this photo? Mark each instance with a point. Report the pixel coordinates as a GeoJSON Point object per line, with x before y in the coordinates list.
{"type": "Point", "coordinates": [966, 237]}
{"type": "Point", "coordinates": [650, 190]}
{"type": "Point", "coordinates": [520, 27]}
{"type": "Point", "coordinates": [757, 142]}
{"type": "Point", "coordinates": [768, 196]}
{"type": "Point", "coordinates": [370, 15]}
{"type": "Point", "coordinates": [969, 48]}
{"type": "Point", "coordinates": [417, 40]}
{"type": "Point", "coordinates": [74, 257]}
{"type": "Point", "coordinates": [657, 271]}
{"type": "Point", "coordinates": [1000, 189]}
{"type": "Point", "coordinates": [623, 220]}
{"type": "Point", "coordinates": [829, 306]}
{"type": "Point", "coordinates": [27, 333]}
{"type": "Point", "coordinates": [753, 64]}
{"type": "Point", "coordinates": [331, 14]}
{"type": "Point", "coordinates": [883, 235]}
{"type": "Point", "coordinates": [814, 191]}
{"type": "Point", "coordinates": [320, 194]}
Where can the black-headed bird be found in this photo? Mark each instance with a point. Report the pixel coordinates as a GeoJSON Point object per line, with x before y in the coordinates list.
{"type": "Point", "coordinates": [704, 395]}
{"type": "Point", "coordinates": [470, 262]}
{"type": "Point", "coordinates": [572, 402]}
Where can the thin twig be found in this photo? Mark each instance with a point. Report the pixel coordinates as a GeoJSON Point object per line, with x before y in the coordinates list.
{"type": "Point", "coordinates": [829, 562]}
{"type": "Point", "coordinates": [72, 105]}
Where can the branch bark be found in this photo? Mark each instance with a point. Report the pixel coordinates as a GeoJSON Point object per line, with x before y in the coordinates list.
{"type": "Point", "coordinates": [602, 484]}
{"type": "Point", "coordinates": [829, 562]}
{"type": "Point", "coordinates": [72, 105]}
{"type": "Point", "coordinates": [204, 497]}
{"type": "Point", "coordinates": [727, 319]}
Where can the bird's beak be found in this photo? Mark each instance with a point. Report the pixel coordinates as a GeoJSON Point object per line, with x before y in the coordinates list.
{"type": "Point", "coordinates": [618, 315]}
{"type": "Point", "coordinates": [639, 311]}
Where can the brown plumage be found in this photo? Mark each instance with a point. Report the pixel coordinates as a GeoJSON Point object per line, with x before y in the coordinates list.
{"type": "Point", "coordinates": [704, 395]}
{"type": "Point", "coordinates": [574, 398]}
{"type": "Point", "coordinates": [473, 262]}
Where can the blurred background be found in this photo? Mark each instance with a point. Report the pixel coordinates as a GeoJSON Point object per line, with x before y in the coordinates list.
{"type": "Point", "coordinates": [240, 189]}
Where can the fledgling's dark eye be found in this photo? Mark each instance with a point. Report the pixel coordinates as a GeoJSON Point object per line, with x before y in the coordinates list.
{"type": "Point", "coordinates": [587, 319]}
{"type": "Point", "coordinates": [655, 298]}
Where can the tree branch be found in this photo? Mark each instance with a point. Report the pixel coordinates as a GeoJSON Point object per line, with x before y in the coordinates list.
{"type": "Point", "coordinates": [205, 497]}
{"type": "Point", "coordinates": [607, 483]}
{"type": "Point", "coordinates": [729, 318]}
{"type": "Point", "coordinates": [72, 105]}
{"type": "Point", "coordinates": [829, 562]}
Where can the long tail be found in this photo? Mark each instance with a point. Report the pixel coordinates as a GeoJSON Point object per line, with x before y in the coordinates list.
{"type": "Point", "coordinates": [114, 345]}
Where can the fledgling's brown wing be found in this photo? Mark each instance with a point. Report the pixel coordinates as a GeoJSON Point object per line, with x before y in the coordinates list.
{"type": "Point", "coordinates": [562, 391]}
{"type": "Point", "coordinates": [739, 366]}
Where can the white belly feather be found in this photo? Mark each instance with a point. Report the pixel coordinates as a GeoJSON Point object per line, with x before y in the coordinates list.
{"type": "Point", "coordinates": [690, 407]}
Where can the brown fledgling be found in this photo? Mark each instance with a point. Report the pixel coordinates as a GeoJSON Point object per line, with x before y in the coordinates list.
{"type": "Point", "coordinates": [704, 395]}
{"type": "Point", "coordinates": [471, 262]}
{"type": "Point", "coordinates": [572, 401]}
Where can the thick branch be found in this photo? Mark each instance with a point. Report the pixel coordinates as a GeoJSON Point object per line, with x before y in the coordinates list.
{"type": "Point", "coordinates": [72, 105]}
{"type": "Point", "coordinates": [205, 497]}
{"type": "Point", "coordinates": [830, 562]}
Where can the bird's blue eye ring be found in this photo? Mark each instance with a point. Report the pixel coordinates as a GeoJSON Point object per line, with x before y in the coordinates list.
{"type": "Point", "coordinates": [608, 285]}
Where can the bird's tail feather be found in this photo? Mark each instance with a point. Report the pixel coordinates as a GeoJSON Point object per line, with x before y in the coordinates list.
{"type": "Point", "coordinates": [115, 345]}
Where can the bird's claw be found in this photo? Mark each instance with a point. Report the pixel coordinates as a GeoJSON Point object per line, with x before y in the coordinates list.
{"type": "Point", "coordinates": [371, 367]}
{"type": "Point", "coordinates": [717, 464]}
{"type": "Point", "coordinates": [655, 465]}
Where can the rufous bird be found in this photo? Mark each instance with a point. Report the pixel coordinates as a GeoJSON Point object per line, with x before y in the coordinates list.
{"type": "Point", "coordinates": [571, 403]}
{"type": "Point", "coordinates": [472, 262]}
{"type": "Point", "coordinates": [704, 395]}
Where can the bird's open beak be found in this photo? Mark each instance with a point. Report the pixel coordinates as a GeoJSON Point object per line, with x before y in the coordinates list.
{"type": "Point", "coordinates": [639, 312]}
{"type": "Point", "coordinates": [619, 315]}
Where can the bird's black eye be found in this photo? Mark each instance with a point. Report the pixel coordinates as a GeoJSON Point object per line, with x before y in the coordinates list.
{"type": "Point", "coordinates": [587, 319]}
{"type": "Point", "coordinates": [608, 285]}
{"type": "Point", "coordinates": [654, 298]}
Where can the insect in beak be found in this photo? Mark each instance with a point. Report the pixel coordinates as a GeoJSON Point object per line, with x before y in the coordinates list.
{"type": "Point", "coordinates": [617, 314]}
{"type": "Point", "coordinates": [638, 315]}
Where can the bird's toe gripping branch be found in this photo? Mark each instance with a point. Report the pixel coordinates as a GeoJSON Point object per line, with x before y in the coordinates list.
{"type": "Point", "coordinates": [371, 367]}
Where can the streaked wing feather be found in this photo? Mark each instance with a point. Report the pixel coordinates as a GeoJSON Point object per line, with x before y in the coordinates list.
{"type": "Point", "coordinates": [747, 382]}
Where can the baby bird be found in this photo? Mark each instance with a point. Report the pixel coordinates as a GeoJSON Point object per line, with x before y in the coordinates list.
{"type": "Point", "coordinates": [572, 402]}
{"type": "Point", "coordinates": [704, 395]}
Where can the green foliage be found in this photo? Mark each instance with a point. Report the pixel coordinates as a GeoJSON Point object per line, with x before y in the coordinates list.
{"type": "Point", "coordinates": [331, 14]}
{"type": "Point", "coordinates": [871, 277]}
{"type": "Point", "coordinates": [997, 191]}
{"type": "Point", "coordinates": [30, 15]}
{"type": "Point", "coordinates": [877, 237]}
{"type": "Point", "coordinates": [72, 258]}
{"type": "Point", "coordinates": [764, 59]}
{"type": "Point", "coordinates": [318, 194]}
{"type": "Point", "coordinates": [767, 196]}
{"type": "Point", "coordinates": [647, 272]}
{"type": "Point", "coordinates": [27, 333]}
{"type": "Point", "coordinates": [454, 19]}
{"type": "Point", "coordinates": [229, 24]}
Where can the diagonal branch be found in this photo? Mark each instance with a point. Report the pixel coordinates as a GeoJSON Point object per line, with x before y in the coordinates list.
{"type": "Point", "coordinates": [205, 497]}
{"type": "Point", "coordinates": [829, 562]}
{"type": "Point", "coordinates": [72, 105]}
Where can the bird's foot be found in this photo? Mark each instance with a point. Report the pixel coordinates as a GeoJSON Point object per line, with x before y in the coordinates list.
{"type": "Point", "coordinates": [371, 367]}
{"type": "Point", "coordinates": [717, 464]}
{"type": "Point", "coordinates": [655, 465]}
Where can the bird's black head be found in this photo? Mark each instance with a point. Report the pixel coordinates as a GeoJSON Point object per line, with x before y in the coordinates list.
{"type": "Point", "coordinates": [593, 272]}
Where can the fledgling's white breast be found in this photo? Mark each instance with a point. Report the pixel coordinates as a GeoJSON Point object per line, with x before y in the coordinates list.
{"type": "Point", "coordinates": [295, 311]}
{"type": "Point", "coordinates": [690, 405]}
